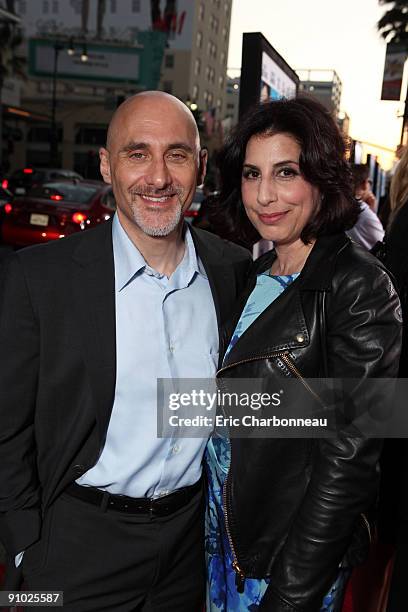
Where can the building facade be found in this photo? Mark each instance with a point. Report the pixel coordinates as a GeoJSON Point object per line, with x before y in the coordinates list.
{"type": "Point", "coordinates": [124, 42]}
{"type": "Point", "coordinates": [325, 85]}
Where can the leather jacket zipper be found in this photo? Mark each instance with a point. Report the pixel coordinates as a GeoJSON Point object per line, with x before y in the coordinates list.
{"type": "Point", "coordinates": [239, 573]}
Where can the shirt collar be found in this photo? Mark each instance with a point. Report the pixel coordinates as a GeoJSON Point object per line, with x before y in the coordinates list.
{"type": "Point", "coordinates": [129, 261]}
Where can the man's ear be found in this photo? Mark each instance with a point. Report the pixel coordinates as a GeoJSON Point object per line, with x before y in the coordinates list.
{"type": "Point", "coordinates": [105, 165]}
{"type": "Point", "coordinates": [202, 167]}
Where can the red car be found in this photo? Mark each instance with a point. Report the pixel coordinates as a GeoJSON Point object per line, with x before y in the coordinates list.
{"type": "Point", "coordinates": [57, 209]}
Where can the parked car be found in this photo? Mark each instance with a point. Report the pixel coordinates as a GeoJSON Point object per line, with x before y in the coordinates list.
{"type": "Point", "coordinates": [21, 181]}
{"type": "Point", "coordinates": [57, 209]}
{"type": "Point", "coordinates": [195, 206]}
{"type": "Point", "coordinates": [5, 202]}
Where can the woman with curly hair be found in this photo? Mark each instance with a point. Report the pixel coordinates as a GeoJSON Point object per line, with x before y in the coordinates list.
{"type": "Point", "coordinates": [285, 514]}
{"type": "Point", "coordinates": [396, 458]}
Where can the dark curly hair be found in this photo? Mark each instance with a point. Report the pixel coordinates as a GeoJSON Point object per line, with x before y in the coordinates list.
{"type": "Point", "coordinates": [322, 163]}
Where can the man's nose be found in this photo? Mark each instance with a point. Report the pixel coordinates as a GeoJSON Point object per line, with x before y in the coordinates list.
{"type": "Point", "coordinates": [158, 174]}
{"type": "Point", "coordinates": [267, 192]}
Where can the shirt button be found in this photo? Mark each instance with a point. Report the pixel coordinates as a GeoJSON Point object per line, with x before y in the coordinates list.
{"type": "Point", "coordinates": [171, 348]}
{"type": "Point", "coordinates": [300, 338]}
{"type": "Point", "coordinates": [176, 448]}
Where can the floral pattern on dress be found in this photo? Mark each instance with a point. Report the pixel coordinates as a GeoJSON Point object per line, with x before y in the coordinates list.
{"type": "Point", "coordinates": [222, 595]}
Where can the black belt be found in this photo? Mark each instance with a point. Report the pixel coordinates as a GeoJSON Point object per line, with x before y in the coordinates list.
{"type": "Point", "coordinates": [159, 506]}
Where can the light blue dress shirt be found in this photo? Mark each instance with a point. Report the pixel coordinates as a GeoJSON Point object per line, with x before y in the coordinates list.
{"type": "Point", "coordinates": [165, 328]}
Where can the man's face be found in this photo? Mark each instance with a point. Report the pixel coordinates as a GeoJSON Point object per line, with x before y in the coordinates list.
{"type": "Point", "coordinates": [154, 165]}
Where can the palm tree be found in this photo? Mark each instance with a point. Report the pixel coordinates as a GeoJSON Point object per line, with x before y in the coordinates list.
{"type": "Point", "coordinates": [10, 63]}
{"type": "Point", "coordinates": [393, 25]}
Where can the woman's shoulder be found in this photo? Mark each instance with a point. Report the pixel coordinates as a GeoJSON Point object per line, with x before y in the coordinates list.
{"type": "Point", "coordinates": [357, 268]}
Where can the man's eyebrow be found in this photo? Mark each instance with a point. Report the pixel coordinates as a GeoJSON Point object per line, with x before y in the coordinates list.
{"type": "Point", "coordinates": [132, 146]}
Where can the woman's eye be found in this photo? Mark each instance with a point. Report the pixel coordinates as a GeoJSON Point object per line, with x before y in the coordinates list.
{"type": "Point", "coordinates": [287, 172]}
{"type": "Point", "coordinates": [250, 174]}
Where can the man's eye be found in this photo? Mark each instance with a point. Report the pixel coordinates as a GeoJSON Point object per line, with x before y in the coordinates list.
{"type": "Point", "coordinates": [137, 155]}
{"type": "Point", "coordinates": [177, 156]}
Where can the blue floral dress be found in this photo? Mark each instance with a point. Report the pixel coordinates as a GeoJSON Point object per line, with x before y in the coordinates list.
{"type": "Point", "coordinates": [222, 595]}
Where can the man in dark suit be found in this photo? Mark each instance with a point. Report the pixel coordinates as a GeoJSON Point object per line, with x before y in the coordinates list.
{"type": "Point", "coordinates": [91, 501]}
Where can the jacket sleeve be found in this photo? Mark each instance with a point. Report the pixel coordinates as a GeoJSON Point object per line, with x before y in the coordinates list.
{"type": "Point", "coordinates": [19, 359]}
{"type": "Point", "coordinates": [344, 476]}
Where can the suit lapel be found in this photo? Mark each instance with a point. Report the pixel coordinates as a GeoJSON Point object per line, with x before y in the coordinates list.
{"type": "Point", "coordinates": [220, 276]}
{"type": "Point", "coordinates": [93, 287]}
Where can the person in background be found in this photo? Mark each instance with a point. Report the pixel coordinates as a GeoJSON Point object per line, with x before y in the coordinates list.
{"type": "Point", "coordinates": [368, 229]}
{"type": "Point", "coordinates": [284, 513]}
{"type": "Point", "coordinates": [397, 458]}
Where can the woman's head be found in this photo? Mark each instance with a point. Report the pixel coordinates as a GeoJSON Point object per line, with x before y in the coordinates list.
{"type": "Point", "coordinates": [285, 164]}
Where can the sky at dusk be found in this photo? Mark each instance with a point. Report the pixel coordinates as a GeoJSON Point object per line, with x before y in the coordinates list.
{"type": "Point", "coordinates": [327, 34]}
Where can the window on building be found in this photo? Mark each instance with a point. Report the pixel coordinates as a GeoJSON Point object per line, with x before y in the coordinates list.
{"type": "Point", "coordinates": [42, 133]}
{"type": "Point", "coordinates": [199, 39]}
{"type": "Point", "coordinates": [195, 92]}
{"type": "Point", "coordinates": [209, 48]}
{"type": "Point", "coordinates": [214, 24]}
{"type": "Point", "coordinates": [221, 82]}
{"type": "Point", "coordinates": [222, 59]}
{"type": "Point", "coordinates": [22, 7]}
{"type": "Point", "coordinates": [46, 7]}
{"type": "Point", "coordinates": [90, 134]}
{"type": "Point", "coordinates": [197, 67]}
{"type": "Point", "coordinates": [77, 4]}
{"type": "Point", "coordinates": [224, 32]}
{"type": "Point", "coordinates": [219, 105]}
{"type": "Point", "coordinates": [207, 73]}
{"type": "Point", "coordinates": [201, 11]}
{"type": "Point", "coordinates": [168, 86]}
{"type": "Point", "coordinates": [135, 6]}
{"type": "Point", "coordinates": [55, 7]}
{"type": "Point", "coordinates": [210, 100]}
{"type": "Point", "coordinates": [169, 60]}
{"type": "Point", "coordinates": [113, 6]}
{"type": "Point", "coordinates": [206, 96]}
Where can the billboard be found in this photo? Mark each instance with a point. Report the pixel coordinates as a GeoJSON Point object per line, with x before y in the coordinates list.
{"type": "Point", "coordinates": [395, 57]}
{"type": "Point", "coordinates": [264, 73]}
{"type": "Point", "coordinates": [137, 65]}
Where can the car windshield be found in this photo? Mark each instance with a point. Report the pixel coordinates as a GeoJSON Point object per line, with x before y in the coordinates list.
{"type": "Point", "coordinates": [69, 192]}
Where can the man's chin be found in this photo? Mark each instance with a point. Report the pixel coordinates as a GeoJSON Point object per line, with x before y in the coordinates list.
{"type": "Point", "coordinates": [159, 229]}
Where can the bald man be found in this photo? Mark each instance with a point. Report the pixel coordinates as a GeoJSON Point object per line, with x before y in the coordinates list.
{"type": "Point", "coordinates": [92, 503]}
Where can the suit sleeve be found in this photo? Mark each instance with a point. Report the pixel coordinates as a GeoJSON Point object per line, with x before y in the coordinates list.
{"type": "Point", "coordinates": [19, 359]}
{"type": "Point", "coordinates": [344, 474]}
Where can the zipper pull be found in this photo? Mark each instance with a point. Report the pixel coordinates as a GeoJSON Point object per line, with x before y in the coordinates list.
{"type": "Point", "coordinates": [239, 577]}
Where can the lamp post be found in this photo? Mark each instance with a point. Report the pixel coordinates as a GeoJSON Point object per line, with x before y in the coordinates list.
{"type": "Point", "coordinates": [59, 46]}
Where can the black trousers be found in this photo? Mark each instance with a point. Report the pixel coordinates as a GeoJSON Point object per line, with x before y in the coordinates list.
{"type": "Point", "coordinates": [118, 562]}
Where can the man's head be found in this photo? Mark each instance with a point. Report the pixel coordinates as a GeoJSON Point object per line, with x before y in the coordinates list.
{"type": "Point", "coordinates": [153, 161]}
{"type": "Point", "coordinates": [361, 180]}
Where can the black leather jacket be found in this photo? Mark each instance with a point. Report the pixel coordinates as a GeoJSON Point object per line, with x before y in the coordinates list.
{"type": "Point", "coordinates": [293, 504]}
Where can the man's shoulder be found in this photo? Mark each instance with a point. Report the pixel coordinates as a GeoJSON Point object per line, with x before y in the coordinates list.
{"type": "Point", "coordinates": [225, 248]}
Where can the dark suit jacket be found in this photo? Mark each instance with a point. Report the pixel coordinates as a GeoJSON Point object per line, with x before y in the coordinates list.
{"type": "Point", "coordinates": [58, 365]}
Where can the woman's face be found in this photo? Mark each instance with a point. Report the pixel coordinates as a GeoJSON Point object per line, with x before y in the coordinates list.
{"type": "Point", "coordinates": [278, 200]}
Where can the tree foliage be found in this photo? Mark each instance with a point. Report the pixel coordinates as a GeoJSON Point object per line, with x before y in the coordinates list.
{"type": "Point", "coordinates": [393, 25]}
